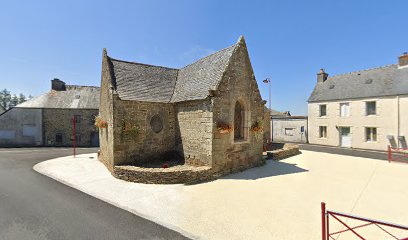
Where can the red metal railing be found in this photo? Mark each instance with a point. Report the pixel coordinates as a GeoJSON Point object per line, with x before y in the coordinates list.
{"type": "Point", "coordinates": [381, 225]}
{"type": "Point", "coordinates": [397, 154]}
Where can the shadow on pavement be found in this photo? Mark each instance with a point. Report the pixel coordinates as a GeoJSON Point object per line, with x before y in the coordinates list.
{"type": "Point", "coordinates": [270, 169]}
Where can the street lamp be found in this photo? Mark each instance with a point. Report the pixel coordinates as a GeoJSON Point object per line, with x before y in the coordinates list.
{"type": "Point", "coordinates": [268, 81]}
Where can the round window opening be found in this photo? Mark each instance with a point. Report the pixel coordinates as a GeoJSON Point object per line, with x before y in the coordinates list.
{"type": "Point", "coordinates": [156, 123]}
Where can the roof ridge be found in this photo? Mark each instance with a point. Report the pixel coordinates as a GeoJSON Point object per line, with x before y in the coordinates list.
{"type": "Point", "coordinates": [174, 88]}
{"type": "Point", "coordinates": [364, 70]}
{"type": "Point", "coordinates": [144, 64]}
{"type": "Point", "coordinates": [70, 85]}
{"type": "Point", "coordinates": [210, 55]}
{"type": "Point", "coordinates": [7, 110]}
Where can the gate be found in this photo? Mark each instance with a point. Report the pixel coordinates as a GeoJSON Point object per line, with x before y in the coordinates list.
{"type": "Point", "coordinates": [355, 227]}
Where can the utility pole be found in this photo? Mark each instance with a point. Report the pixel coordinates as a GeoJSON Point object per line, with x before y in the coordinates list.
{"type": "Point", "coordinates": [73, 120]}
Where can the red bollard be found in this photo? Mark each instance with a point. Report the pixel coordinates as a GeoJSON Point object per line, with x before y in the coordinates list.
{"type": "Point", "coordinates": [389, 153]}
{"type": "Point", "coordinates": [323, 206]}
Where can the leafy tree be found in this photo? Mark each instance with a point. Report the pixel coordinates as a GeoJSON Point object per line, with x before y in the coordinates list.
{"type": "Point", "coordinates": [13, 101]}
{"type": "Point", "coordinates": [22, 98]}
{"type": "Point", "coordinates": [5, 98]}
{"type": "Point", "coordinates": [8, 101]}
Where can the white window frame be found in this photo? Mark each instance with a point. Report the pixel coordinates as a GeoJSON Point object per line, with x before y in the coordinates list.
{"type": "Point", "coordinates": [321, 135]}
{"type": "Point", "coordinates": [347, 109]}
{"type": "Point", "coordinates": [320, 110]}
{"type": "Point", "coordinates": [289, 130]}
{"type": "Point", "coordinates": [369, 134]}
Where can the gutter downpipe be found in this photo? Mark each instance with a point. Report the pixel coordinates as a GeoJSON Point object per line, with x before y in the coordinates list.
{"type": "Point", "coordinates": [398, 121]}
{"type": "Point", "coordinates": [271, 137]}
{"type": "Point", "coordinates": [307, 130]}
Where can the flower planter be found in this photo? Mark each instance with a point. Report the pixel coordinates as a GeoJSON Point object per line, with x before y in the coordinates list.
{"type": "Point", "coordinates": [224, 131]}
{"type": "Point", "coordinates": [224, 128]}
{"type": "Point", "coordinates": [100, 123]}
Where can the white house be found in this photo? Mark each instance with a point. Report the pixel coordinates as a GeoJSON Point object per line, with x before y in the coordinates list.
{"type": "Point", "coordinates": [366, 109]}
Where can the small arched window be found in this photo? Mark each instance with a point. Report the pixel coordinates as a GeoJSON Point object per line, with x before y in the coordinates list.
{"type": "Point", "coordinates": [239, 121]}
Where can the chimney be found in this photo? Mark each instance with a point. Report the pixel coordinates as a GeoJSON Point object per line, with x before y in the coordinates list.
{"type": "Point", "coordinates": [403, 60]}
{"type": "Point", "coordinates": [322, 76]}
{"type": "Point", "coordinates": [57, 85]}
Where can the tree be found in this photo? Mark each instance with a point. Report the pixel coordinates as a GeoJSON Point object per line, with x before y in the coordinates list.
{"type": "Point", "coordinates": [13, 101]}
{"type": "Point", "coordinates": [21, 98]}
{"type": "Point", "coordinates": [5, 98]}
{"type": "Point", "coordinates": [7, 101]}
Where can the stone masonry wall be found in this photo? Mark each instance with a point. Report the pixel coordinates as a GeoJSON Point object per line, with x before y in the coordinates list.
{"type": "Point", "coordinates": [135, 139]}
{"type": "Point", "coordinates": [106, 155]}
{"type": "Point", "coordinates": [183, 174]}
{"type": "Point", "coordinates": [238, 84]}
{"type": "Point", "coordinates": [194, 132]}
{"type": "Point", "coordinates": [287, 150]}
{"type": "Point", "coordinates": [59, 121]}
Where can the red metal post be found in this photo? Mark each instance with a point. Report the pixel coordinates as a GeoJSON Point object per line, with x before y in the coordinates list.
{"type": "Point", "coordinates": [74, 135]}
{"type": "Point", "coordinates": [323, 206]}
{"type": "Point", "coordinates": [389, 153]}
{"type": "Point", "coordinates": [327, 226]}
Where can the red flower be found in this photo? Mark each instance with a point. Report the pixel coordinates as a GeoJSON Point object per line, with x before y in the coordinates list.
{"type": "Point", "coordinates": [165, 165]}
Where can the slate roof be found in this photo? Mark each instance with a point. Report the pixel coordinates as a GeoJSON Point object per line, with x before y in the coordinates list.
{"type": "Point", "coordinates": [141, 82]}
{"type": "Point", "coordinates": [75, 97]}
{"type": "Point", "coordinates": [196, 79]}
{"type": "Point", "coordinates": [382, 81]}
{"type": "Point", "coordinates": [277, 113]}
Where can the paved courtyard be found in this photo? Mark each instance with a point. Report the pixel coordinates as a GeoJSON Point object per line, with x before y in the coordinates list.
{"type": "Point", "coordinates": [280, 200]}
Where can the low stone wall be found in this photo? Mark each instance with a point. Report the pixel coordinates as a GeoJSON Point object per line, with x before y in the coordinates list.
{"type": "Point", "coordinates": [172, 175]}
{"type": "Point", "coordinates": [287, 150]}
{"type": "Point", "coordinates": [238, 166]}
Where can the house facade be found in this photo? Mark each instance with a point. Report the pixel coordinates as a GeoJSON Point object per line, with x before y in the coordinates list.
{"type": "Point", "coordinates": [47, 120]}
{"type": "Point", "coordinates": [289, 129]}
{"type": "Point", "coordinates": [203, 113]}
{"type": "Point", "coordinates": [366, 109]}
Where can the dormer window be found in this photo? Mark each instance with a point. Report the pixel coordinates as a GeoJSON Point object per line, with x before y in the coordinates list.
{"type": "Point", "coordinates": [368, 81]}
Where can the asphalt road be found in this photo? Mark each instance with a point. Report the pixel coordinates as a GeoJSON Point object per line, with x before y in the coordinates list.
{"type": "Point", "coordinates": [33, 206]}
{"type": "Point", "coordinates": [346, 151]}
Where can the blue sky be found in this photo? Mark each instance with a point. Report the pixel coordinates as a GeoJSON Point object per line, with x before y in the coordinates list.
{"type": "Point", "coordinates": [288, 41]}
